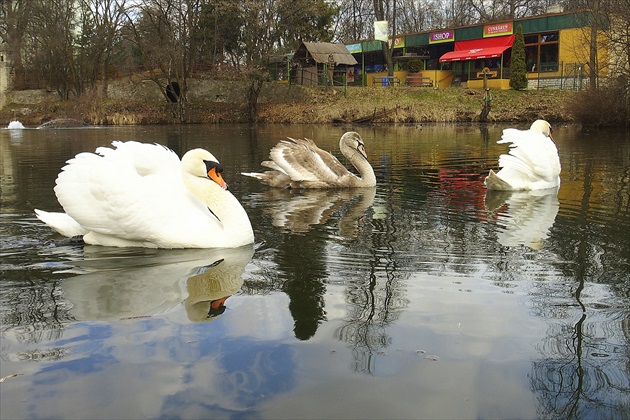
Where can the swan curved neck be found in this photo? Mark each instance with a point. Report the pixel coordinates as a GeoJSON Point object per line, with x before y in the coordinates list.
{"type": "Point", "coordinates": [366, 172]}
{"type": "Point", "coordinates": [221, 202]}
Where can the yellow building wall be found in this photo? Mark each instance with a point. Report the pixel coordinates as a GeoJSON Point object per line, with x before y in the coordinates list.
{"type": "Point", "coordinates": [439, 78]}
{"type": "Point", "coordinates": [574, 48]}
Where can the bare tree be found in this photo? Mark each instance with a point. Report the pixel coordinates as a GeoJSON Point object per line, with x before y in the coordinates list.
{"type": "Point", "coordinates": [386, 10]}
{"type": "Point", "coordinates": [162, 31]}
{"type": "Point", "coordinates": [270, 26]}
{"type": "Point", "coordinates": [354, 21]}
{"type": "Point", "coordinates": [105, 19]}
{"type": "Point", "coordinates": [619, 37]}
{"type": "Point", "coordinates": [14, 18]}
{"type": "Point", "coordinates": [53, 27]}
{"type": "Point", "coordinates": [493, 10]}
{"type": "Point", "coordinates": [416, 16]}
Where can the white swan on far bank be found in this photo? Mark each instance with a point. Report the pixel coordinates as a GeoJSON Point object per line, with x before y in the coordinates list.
{"type": "Point", "coordinates": [299, 163]}
{"type": "Point", "coordinates": [15, 125]}
{"type": "Point", "coordinates": [532, 162]}
{"type": "Point", "coordinates": [142, 195]}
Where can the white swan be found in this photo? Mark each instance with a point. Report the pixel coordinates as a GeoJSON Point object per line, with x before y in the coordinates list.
{"type": "Point", "coordinates": [524, 217]}
{"type": "Point", "coordinates": [151, 282]}
{"type": "Point", "coordinates": [532, 162]}
{"type": "Point", "coordinates": [142, 195]}
{"type": "Point", "coordinates": [15, 125]}
{"type": "Point", "coordinates": [299, 163]}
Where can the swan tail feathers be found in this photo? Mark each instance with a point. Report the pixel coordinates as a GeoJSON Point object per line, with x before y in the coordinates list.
{"type": "Point", "coordinates": [256, 175]}
{"type": "Point", "coordinates": [61, 222]}
{"type": "Point", "coordinates": [494, 182]}
{"type": "Point", "coordinates": [275, 179]}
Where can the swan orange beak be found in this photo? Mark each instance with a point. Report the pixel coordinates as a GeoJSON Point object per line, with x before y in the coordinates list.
{"type": "Point", "coordinates": [217, 177]}
{"type": "Point", "coordinates": [217, 307]}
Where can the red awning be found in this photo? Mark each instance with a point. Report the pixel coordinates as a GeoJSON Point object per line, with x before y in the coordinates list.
{"type": "Point", "coordinates": [479, 48]}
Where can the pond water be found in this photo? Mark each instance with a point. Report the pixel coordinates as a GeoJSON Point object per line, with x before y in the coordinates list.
{"type": "Point", "coordinates": [425, 297]}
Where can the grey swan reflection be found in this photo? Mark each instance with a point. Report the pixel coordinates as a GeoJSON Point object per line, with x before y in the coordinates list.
{"type": "Point", "coordinates": [299, 163]}
{"type": "Point", "coordinates": [527, 218]}
{"type": "Point", "coordinates": [298, 212]}
{"type": "Point", "coordinates": [115, 286]}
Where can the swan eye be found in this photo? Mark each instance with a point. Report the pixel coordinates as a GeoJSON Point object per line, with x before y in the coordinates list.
{"type": "Point", "coordinates": [214, 170]}
{"type": "Point", "coordinates": [210, 164]}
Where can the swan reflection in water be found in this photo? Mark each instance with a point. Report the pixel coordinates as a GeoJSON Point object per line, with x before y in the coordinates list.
{"type": "Point", "coordinates": [298, 211]}
{"type": "Point", "coordinates": [526, 217]}
{"type": "Point", "coordinates": [147, 282]}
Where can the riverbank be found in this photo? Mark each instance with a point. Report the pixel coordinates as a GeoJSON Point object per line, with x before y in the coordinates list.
{"type": "Point", "coordinates": [300, 105]}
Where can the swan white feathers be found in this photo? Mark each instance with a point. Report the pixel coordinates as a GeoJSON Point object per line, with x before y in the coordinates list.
{"type": "Point", "coordinates": [299, 163]}
{"type": "Point", "coordinates": [532, 162]}
{"type": "Point", "coordinates": [15, 125]}
{"type": "Point", "coordinates": [142, 195]}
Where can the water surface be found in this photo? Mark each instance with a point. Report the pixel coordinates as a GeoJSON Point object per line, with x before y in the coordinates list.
{"type": "Point", "coordinates": [425, 297]}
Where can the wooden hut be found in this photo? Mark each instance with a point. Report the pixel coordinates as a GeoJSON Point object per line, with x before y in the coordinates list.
{"type": "Point", "coordinates": [317, 63]}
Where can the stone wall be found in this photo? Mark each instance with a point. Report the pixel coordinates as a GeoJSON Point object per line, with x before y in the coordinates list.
{"type": "Point", "coordinates": [135, 88]}
{"type": "Point", "coordinates": [229, 91]}
{"type": "Point", "coordinates": [5, 80]}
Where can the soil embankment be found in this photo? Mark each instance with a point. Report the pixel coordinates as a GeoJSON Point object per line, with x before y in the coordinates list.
{"type": "Point", "coordinates": [138, 102]}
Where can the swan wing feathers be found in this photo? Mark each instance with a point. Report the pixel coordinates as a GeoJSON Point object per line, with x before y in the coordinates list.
{"type": "Point", "coordinates": [302, 160]}
{"type": "Point", "coordinates": [131, 195]}
{"type": "Point", "coordinates": [532, 154]}
{"type": "Point", "coordinates": [146, 159]}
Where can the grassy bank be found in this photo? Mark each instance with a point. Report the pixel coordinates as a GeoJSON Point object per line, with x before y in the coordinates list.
{"type": "Point", "coordinates": [315, 105]}
{"type": "Point", "coordinates": [417, 105]}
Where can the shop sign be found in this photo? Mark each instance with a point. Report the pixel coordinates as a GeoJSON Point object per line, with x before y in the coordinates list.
{"type": "Point", "coordinates": [443, 36]}
{"type": "Point", "coordinates": [398, 42]}
{"type": "Point", "coordinates": [354, 48]}
{"type": "Point", "coordinates": [498, 29]}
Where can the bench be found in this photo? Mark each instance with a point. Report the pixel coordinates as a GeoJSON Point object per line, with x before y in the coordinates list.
{"type": "Point", "coordinates": [385, 81]}
{"type": "Point", "coordinates": [419, 80]}
{"type": "Point", "coordinates": [488, 74]}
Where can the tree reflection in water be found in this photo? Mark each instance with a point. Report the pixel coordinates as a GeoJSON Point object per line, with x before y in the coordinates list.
{"type": "Point", "coordinates": [581, 375]}
{"type": "Point", "coordinates": [36, 311]}
{"type": "Point", "coordinates": [375, 298]}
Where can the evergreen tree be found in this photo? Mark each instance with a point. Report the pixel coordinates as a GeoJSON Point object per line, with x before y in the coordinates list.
{"type": "Point", "coordinates": [518, 69]}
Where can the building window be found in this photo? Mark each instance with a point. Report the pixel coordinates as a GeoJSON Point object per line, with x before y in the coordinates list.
{"type": "Point", "coordinates": [541, 52]}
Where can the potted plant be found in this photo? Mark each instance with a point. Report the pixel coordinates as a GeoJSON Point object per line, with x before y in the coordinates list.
{"type": "Point", "coordinates": [414, 66]}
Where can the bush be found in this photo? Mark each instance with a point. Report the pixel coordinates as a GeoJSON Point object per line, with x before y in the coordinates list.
{"type": "Point", "coordinates": [518, 68]}
{"type": "Point", "coordinates": [414, 66]}
{"type": "Point", "coordinates": [608, 105]}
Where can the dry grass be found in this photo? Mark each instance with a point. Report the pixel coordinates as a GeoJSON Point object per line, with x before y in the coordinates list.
{"type": "Point", "coordinates": [417, 105]}
{"type": "Point", "coordinates": [359, 104]}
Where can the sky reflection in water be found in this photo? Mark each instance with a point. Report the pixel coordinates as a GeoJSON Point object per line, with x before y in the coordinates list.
{"type": "Point", "coordinates": [422, 298]}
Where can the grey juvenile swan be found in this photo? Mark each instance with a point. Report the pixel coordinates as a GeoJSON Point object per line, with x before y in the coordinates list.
{"type": "Point", "coordinates": [299, 163]}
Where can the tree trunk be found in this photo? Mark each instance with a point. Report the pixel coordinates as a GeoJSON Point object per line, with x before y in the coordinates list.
{"type": "Point", "coordinates": [252, 98]}
{"type": "Point", "coordinates": [592, 59]}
